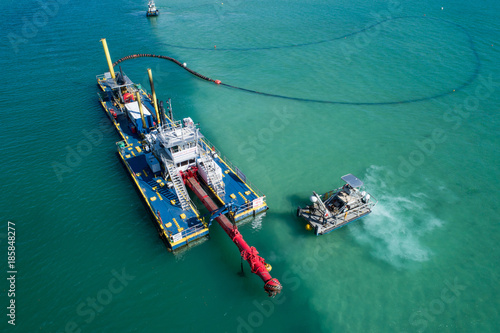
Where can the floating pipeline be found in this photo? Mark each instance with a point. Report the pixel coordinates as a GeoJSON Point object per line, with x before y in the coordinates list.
{"type": "Point", "coordinates": [466, 83]}
{"type": "Point", "coordinates": [146, 55]}
{"type": "Point", "coordinates": [249, 253]}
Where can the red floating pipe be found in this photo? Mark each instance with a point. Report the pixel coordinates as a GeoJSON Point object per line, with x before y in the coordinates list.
{"type": "Point", "coordinates": [249, 253]}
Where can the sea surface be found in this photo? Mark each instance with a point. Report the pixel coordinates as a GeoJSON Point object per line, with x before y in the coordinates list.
{"type": "Point", "coordinates": [403, 94]}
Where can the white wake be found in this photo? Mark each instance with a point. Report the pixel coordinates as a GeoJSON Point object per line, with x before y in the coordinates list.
{"type": "Point", "coordinates": [398, 225]}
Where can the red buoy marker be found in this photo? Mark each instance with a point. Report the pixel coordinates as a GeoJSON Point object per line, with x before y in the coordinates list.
{"type": "Point", "coordinates": [217, 82]}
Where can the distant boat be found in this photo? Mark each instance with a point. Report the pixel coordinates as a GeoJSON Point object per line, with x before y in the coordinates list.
{"type": "Point", "coordinates": [152, 11]}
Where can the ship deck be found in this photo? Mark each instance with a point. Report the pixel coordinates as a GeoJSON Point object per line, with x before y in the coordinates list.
{"type": "Point", "coordinates": [176, 226]}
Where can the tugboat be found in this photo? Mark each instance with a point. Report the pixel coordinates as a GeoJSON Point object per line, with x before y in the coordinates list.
{"type": "Point", "coordinates": [152, 11]}
{"type": "Point", "coordinates": [339, 207]}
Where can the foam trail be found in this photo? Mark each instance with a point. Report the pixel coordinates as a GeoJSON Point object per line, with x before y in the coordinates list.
{"type": "Point", "coordinates": [396, 227]}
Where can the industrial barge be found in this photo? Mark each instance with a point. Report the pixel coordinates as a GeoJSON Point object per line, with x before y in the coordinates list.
{"type": "Point", "coordinates": [163, 156]}
{"type": "Point", "coordinates": [338, 207]}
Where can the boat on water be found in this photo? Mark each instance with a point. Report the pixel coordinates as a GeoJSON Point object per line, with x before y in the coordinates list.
{"type": "Point", "coordinates": [152, 10]}
{"type": "Point", "coordinates": [338, 207]}
{"type": "Point", "coordinates": [164, 157]}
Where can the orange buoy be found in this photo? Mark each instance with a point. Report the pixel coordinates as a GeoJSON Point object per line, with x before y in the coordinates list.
{"type": "Point", "coordinates": [217, 82]}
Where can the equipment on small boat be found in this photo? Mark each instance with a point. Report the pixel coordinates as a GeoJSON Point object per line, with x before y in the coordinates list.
{"type": "Point", "coordinates": [336, 208]}
{"type": "Point", "coordinates": [152, 11]}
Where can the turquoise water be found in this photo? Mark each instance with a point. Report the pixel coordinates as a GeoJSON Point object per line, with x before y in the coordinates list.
{"type": "Point", "coordinates": [87, 255]}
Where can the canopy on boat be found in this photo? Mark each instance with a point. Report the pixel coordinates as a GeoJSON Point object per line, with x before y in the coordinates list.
{"type": "Point", "coordinates": [352, 180]}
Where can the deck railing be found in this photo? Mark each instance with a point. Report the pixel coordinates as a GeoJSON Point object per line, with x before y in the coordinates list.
{"type": "Point", "coordinates": [248, 205]}
{"type": "Point", "coordinates": [100, 77]}
{"type": "Point", "coordinates": [192, 230]}
{"type": "Point", "coordinates": [170, 125]}
{"type": "Point", "coordinates": [184, 234]}
{"type": "Point", "coordinates": [231, 166]}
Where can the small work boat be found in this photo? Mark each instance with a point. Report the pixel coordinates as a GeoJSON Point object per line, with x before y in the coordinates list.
{"type": "Point", "coordinates": [152, 11]}
{"type": "Point", "coordinates": [336, 208]}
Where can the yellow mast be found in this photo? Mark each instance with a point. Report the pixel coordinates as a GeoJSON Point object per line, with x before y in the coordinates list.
{"type": "Point", "coordinates": [154, 95]}
{"type": "Point", "coordinates": [138, 98]}
{"type": "Point", "coordinates": [108, 57]}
